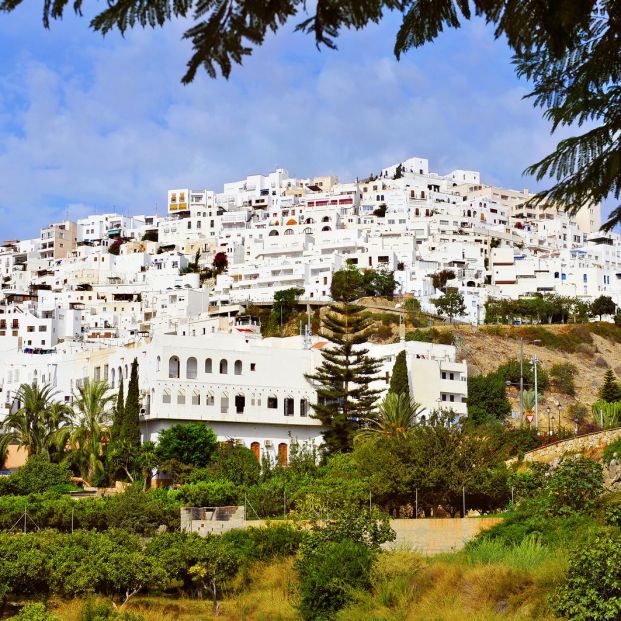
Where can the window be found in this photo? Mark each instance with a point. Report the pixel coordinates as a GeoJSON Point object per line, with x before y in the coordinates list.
{"type": "Point", "coordinates": [196, 398]}
{"type": "Point", "coordinates": [289, 406]}
{"type": "Point", "coordinates": [208, 365]}
{"type": "Point", "coordinates": [443, 374]}
{"type": "Point", "coordinates": [240, 404]}
{"type": "Point", "coordinates": [173, 367]}
{"type": "Point", "coordinates": [238, 367]}
{"type": "Point", "coordinates": [282, 454]}
{"type": "Point", "coordinates": [303, 407]}
{"type": "Point", "coordinates": [157, 365]}
{"type": "Point", "coordinates": [253, 366]}
{"type": "Point", "coordinates": [190, 368]}
{"type": "Point", "coordinates": [224, 405]}
{"type": "Point", "coordinates": [166, 397]}
{"type": "Point", "coordinates": [181, 398]}
{"type": "Point", "coordinates": [209, 400]}
{"type": "Point", "coordinates": [224, 367]}
{"type": "Point", "coordinates": [272, 403]}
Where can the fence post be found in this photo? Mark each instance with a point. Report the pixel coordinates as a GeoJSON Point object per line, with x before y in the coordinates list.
{"type": "Point", "coordinates": [463, 500]}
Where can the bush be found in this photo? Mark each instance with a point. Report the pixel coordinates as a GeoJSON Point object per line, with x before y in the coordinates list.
{"type": "Point", "coordinates": [192, 443]}
{"type": "Point", "coordinates": [592, 591]}
{"type": "Point", "coordinates": [329, 574]}
{"type": "Point", "coordinates": [510, 372]}
{"type": "Point", "coordinates": [562, 375]}
{"type": "Point", "coordinates": [432, 335]}
{"type": "Point", "coordinates": [93, 611]}
{"type": "Point", "coordinates": [612, 511]}
{"type": "Point", "coordinates": [210, 494]}
{"type": "Point", "coordinates": [612, 451]}
{"type": "Point", "coordinates": [34, 612]}
{"type": "Point", "coordinates": [38, 475]}
{"type": "Point", "coordinates": [266, 543]}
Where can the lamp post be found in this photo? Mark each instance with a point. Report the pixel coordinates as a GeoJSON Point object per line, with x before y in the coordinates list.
{"type": "Point", "coordinates": [553, 419]}
{"type": "Point", "coordinates": [535, 361]}
{"type": "Point", "coordinates": [521, 380]}
{"type": "Point", "coordinates": [559, 407]}
{"type": "Point", "coordinates": [549, 426]}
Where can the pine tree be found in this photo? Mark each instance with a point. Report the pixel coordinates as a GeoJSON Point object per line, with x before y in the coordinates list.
{"type": "Point", "coordinates": [130, 429]}
{"type": "Point", "coordinates": [399, 384]}
{"type": "Point", "coordinates": [344, 395]}
{"type": "Point", "coordinates": [119, 409]}
{"type": "Point", "coordinates": [611, 389]}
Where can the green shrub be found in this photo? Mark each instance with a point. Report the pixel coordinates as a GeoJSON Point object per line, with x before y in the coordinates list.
{"type": "Point", "coordinates": [34, 612]}
{"type": "Point", "coordinates": [613, 450]}
{"type": "Point", "coordinates": [562, 375]}
{"type": "Point", "coordinates": [525, 555]}
{"type": "Point", "coordinates": [592, 591]}
{"type": "Point", "coordinates": [93, 611]}
{"type": "Point", "coordinates": [431, 335]}
{"type": "Point", "coordinates": [329, 574]}
{"type": "Point", "coordinates": [510, 372]}
{"type": "Point", "coordinates": [210, 494]}
{"type": "Point", "coordinates": [266, 543]}
{"type": "Point", "coordinates": [38, 475]}
{"type": "Point", "coordinates": [612, 512]}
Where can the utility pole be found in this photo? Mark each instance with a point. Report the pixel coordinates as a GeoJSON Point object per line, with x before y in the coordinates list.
{"type": "Point", "coordinates": [521, 381]}
{"type": "Point", "coordinates": [535, 362]}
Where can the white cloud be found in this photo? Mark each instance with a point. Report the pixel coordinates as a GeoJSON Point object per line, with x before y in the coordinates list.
{"type": "Point", "coordinates": [116, 127]}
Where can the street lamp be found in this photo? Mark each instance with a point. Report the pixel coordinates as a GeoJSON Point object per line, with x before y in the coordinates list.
{"type": "Point", "coordinates": [553, 419]}
{"type": "Point", "coordinates": [559, 407]}
{"type": "Point", "coordinates": [549, 428]}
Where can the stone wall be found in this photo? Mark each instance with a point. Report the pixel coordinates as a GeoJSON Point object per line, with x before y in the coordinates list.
{"type": "Point", "coordinates": [590, 445]}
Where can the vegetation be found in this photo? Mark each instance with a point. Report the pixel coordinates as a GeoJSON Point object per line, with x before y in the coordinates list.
{"type": "Point", "coordinates": [450, 304]}
{"type": "Point", "coordinates": [284, 304]}
{"type": "Point", "coordinates": [487, 398]}
{"type": "Point", "coordinates": [193, 444]}
{"type": "Point", "coordinates": [562, 375]}
{"type": "Point", "coordinates": [610, 392]}
{"type": "Point", "coordinates": [399, 381]}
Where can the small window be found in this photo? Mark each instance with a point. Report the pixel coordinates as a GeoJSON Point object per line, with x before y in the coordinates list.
{"type": "Point", "coordinates": [196, 399]}
{"type": "Point", "coordinates": [238, 367]}
{"type": "Point", "coordinates": [190, 368]}
{"type": "Point", "coordinates": [208, 365]}
{"type": "Point", "coordinates": [224, 405]}
{"type": "Point", "coordinates": [289, 406]}
{"type": "Point", "coordinates": [224, 367]}
{"type": "Point", "coordinates": [181, 398]}
{"type": "Point", "coordinates": [209, 400]}
{"type": "Point", "coordinates": [303, 407]}
{"type": "Point", "coordinates": [240, 404]}
{"type": "Point", "coordinates": [253, 366]}
{"type": "Point", "coordinates": [272, 403]}
{"type": "Point", "coordinates": [166, 397]}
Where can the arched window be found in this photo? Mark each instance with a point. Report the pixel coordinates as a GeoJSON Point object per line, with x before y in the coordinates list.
{"type": "Point", "coordinates": [273, 233]}
{"type": "Point", "coordinates": [196, 397]}
{"type": "Point", "coordinates": [191, 368]}
{"type": "Point", "coordinates": [303, 407]}
{"type": "Point", "coordinates": [224, 404]}
{"type": "Point", "coordinates": [272, 402]}
{"type": "Point", "coordinates": [308, 231]}
{"type": "Point", "coordinates": [326, 228]}
{"type": "Point", "coordinates": [120, 375]}
{"type": "Point", "coordinates": [166, 396]}
{"type": "Point", "coordinates": [469, 213]}
{"type": "Point", "coordinates": [157, 365]}
{"type": "Point", "coordinates": [255, 447]}
{"type": "Point", "coordinates": [417, 212]}
{"type": "Point", "coordinates": [126, 372]}
{"type": "Point", "coordinates": [224, 367]}
{"type": "Point", "coordinates": [325, 219]}
{"type": "Point", "coordinates": [173, 367]}
{"type": "Point", "coordinates": [181, 398]}
{"type": "Point", "coordinates": [283, 458]}
{"type": "Point", "coordinates": [112, 377]}
{"type": "Point", "coordinates": [240, 404]}
{"type": "Point", "coordinates": [208, 365]}
{"type": "Point", "coordinates": [289, 232]}
{"type": "Point", "coordinates": [238, 367]}
{"type": "Point", "coordinates": [209, 400]}
{"type": "Point", "coordinates": [309, 221]}
{"type": "Point", "coordinates": [289, 404]}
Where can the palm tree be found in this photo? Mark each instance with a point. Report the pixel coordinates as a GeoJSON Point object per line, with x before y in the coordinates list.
{"type": "Point", "coordinates": [395, 416]}
{"type": "Point", "coordinates": [40, 424]}
{"type": "Point", "coordinates": [92, 409]}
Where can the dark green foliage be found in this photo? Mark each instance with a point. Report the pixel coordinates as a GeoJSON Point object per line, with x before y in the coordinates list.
{"type": "Point", "coordinates": [328, 575]}
{"type": "Point", "coordinates": [347, 285]}
{"type": "Point", "coordinates": [265, 543]}
{"type": "Point", "coordinates": [119, 413]}
{"type": "Point", "coordinates": [592, 590]}
{"type": "Point", "coordinates": [38, 475]}
{"type": "Point", "coordinates": [344, 395]}
{"type": "Point", "coordinates": [130, 429]}
{"type": "Point", "coordinates": [487, 398]}
{"type": "Point", "coordinates": [612, 451]}
{"type": "Point", "coordinates": [193, 444]}
{"type": "Point", "coordinates": [432, 335]}
{"type": "Point", "coordinates": [450, 304]}
{"type": "Point", "coordinates": [562, 375]}
{"type": "Point", "coordinates": [603, 305]}
{"type": "Point", "coordinates": [284, 304]}
{"type": "Point", "coordinates": [440, 279]}
{"type": "Point", "coordinates": [611, 388]}
{"type": "Point", "coordinates": [510, 372]}
{"type": "Point", "coordinates": [399, 383]}
{"type": "Point", "coordinates": [236, 463]}
{"type": "Point", "coordinates": [35, 612]}
{"type": "Point", "coordinates": [380, 283]}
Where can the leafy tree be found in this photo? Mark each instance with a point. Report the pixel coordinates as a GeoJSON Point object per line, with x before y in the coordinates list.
{"type": "Point", "coordinates": [603, 305]}
{"type": "Point", "coordinates": [91, 431]}
{"type": "Point", "coordinates": [284, 304]}
{"type": "Point", "coordinates": [399, 383]}
{"type": "Point", "coordinates": [396, 416]}
{"type": "Point", "coordinates": [192, 267]}
{"type": "Point", "coordinates": [193, 444]}
{"type": "Point", "coordinates": [39, 425]}
{"type": "Point", "coordinates": [35, 612]}
{"type": "Point", "coordinates": [611, 389]}
{"type": "Point", "coordinates": [450, 304]}
{"type": "Point", "coordinates": [220, 262]}
{"type": "Point", "coordinates": [379, 283]}
{"type": "Point", "coordinates": [210, 494]}
{"type": "Point", "coordinates": [487, 398]}
{"type": "Point", "coordinates": [347, 285]}
{"type": "Point", "coordinates": [236, 463]}
{"type": "Point", "coordinates": [130, 429]}
{"type": "Point", "coordinates": [343, 378]}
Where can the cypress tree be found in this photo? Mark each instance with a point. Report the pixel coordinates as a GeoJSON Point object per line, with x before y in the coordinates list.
{"type": "Point", "coordinates": [119, 409]}
{"type": "Point", "coordinates": [344, 395]}
{"type": "Point", "coordinates": [130, 429]}
{"type": "Point", "coordinates": [399, 384]}
{"type": "Point", "coordinates": [611, 389]}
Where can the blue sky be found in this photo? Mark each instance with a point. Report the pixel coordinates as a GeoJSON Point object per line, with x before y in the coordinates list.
{"type": "Point", "coordinates": [100, 124]}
